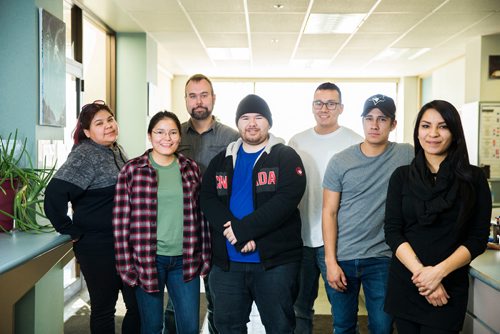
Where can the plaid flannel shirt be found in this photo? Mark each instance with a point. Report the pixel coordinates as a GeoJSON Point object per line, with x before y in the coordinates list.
{"type": "Point", "coordinates": [134, 223]}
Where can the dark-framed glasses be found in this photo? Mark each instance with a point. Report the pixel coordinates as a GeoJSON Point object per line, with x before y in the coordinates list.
{"type": "Point", "coordinates": [330, 105]}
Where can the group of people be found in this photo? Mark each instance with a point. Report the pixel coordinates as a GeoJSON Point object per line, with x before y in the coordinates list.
{"type": "Point", "coordinates": [260, 221]}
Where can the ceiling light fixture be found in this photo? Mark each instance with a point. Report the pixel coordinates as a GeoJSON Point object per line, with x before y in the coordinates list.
{"type": "Point", "coordinates": [279, 6]}
{"type": "Point", "coordinates": [333, 23]}
{"type": "Point", "coordinates": [419, 53]}
{"type": "Point", "coordinates": [391, 54]}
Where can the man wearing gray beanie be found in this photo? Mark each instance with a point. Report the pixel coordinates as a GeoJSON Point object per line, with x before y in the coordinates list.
{"type": "Point", "coordinates": [254, 104]}
{"type": "Point", "coordinates": [249, 195]}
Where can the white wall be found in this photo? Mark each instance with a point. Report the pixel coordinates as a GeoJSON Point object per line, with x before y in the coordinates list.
{"type": "Point", "coordinates": [448, 83]}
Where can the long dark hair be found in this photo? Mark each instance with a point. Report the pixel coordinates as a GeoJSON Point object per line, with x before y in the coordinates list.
{"type": "Point", "coordinates": [457, 152]}
{"type": "Point", "coordinates": [85, 119]}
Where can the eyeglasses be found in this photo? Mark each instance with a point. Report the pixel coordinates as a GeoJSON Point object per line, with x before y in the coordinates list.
{"type": "Point", "coordinates": [163, 133]}
{"type": "Point", "coordinates": [330, 105]}
{"type": "Point", "coordinates": [96, 103]}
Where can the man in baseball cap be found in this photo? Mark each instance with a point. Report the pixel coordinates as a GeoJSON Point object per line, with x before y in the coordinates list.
{"type": "Point", "coordinates": [355, 250]}
{"type": "Point", "coordinates": [384, 103]}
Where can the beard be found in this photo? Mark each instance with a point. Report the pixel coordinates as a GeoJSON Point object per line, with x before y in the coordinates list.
{"type": "Point", "coordinates": [255, 140]}
{"type": "Point", "coordinates": [201, 114]}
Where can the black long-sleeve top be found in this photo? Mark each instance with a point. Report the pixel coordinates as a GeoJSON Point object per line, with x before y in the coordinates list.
{"type": "Point", "coordinates": [432, 244]}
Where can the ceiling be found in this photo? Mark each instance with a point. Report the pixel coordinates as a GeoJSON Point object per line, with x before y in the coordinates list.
{"type": "Point", "coordinates": [390, 32]}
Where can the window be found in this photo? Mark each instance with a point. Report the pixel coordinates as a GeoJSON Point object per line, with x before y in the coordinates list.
{"type": "Point", "coordinates": [290, 102]}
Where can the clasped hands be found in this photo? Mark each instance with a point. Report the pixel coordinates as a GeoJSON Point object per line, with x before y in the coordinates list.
{"type": "Point", "coordinates": [229, 234]}
{"type": "Point", "coordinates": [428, 281]}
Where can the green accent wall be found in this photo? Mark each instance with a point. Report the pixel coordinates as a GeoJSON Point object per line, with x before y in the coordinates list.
{"type": "Point", "coordinates": [19, 69]}
{"type": "Point", "coordinates": [131, 89]}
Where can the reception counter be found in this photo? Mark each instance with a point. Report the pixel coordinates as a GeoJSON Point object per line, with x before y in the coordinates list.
{"type": "Point", "coordinates": [31, 281]}
{"type": "Point", "coordinates": [483, 310]}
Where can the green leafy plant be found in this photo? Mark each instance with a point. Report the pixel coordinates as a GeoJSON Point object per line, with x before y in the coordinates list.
{"type": "Point", "coordinates": [28, 182]}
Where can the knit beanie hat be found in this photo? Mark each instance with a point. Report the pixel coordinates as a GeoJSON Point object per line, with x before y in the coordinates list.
{"type": "Point", "coordinates": [254, 104]}
{"type": "Point", "coordinates": [382, 102]}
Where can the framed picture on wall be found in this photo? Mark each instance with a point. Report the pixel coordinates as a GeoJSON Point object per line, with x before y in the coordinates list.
{"type": "Point", "coordinates": [494, 67]}
{"type": "Point", "coordinates": [52, 70]}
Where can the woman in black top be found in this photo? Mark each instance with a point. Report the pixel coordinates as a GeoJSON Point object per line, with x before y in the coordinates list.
{"type": "Point", "coordinates": [437, 221]}
{"type": "Point", "coordinates": [87, 179]}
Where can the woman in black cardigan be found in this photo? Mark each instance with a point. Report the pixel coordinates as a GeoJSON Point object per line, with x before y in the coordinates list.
{"type": "Point", "coordinates": [437, 221]}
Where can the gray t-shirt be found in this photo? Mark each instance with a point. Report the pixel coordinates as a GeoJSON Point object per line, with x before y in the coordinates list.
{"type": "Point", "coordinates": [362, 182]}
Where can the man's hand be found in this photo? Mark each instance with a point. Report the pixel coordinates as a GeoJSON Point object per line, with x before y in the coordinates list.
{"type": "Point", "coordinates": [229, 234]}
{"type": "Point", "coordinates": [336, 277]}
{"type": "Point", "coordinates": [249, 247]}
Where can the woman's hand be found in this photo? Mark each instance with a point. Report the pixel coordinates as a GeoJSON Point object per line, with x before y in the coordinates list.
{"type": "Point", "coordinates": [439, 297]}
{"type": "Point", "coordinates": [427, 279]}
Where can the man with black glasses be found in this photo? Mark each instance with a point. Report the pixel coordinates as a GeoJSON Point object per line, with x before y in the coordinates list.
{"type": "Point", "coordinates": [316, 146]}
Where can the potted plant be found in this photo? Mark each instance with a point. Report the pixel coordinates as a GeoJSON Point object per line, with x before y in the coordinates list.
{"type": "Point", "coordinates": [21, 189]}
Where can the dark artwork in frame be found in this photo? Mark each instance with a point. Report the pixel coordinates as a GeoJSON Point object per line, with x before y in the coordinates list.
{"type": "Point", "coordinates": [494, 67]}
{"type": "Point", "coordinates": [52, 70]}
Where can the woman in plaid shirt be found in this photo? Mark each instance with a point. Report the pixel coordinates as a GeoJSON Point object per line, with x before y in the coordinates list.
{"type": "Point", "coordinates": [161, 236]}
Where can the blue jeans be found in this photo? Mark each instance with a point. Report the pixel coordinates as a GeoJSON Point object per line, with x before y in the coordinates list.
{"type": "Point", "coordinates": [372, 273]}
{"type": "Point", "coordinates": [274, 291]}
{"type": "Point", "coordinates": [308, 289]}
{"type": "Point", "coordinates": [169, 326]}
{"type": "Point", "coordinates": [185, 297]}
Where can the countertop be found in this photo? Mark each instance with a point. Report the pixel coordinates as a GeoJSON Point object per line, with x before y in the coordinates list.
{"type": "Point", "coordinates": [486, 267]}
{"type": "Point", "coordinates": [20, 247]}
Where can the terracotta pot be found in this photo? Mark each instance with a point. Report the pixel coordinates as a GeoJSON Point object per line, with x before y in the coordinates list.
{"type": "Point", "coordinates": [7, 205]}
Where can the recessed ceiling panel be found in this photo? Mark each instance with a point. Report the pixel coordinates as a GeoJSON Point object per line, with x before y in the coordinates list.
{"type": "Point", "coordinates": [177, 41]}
{"type": "Point", "coordinates": [447, 23]}
{"type": "Point", "coordinates": [322, 41]}
{"type": "Point", "coordinates": [225, 40]}
{"type": "Point", "coordinates": [274, 41]}
{"type": "Point", "coordinates": [219, 22]}
{"type": "Point", "coordinates": [276, 22]}
{"type": "Point", "coordinates": [388, 23]}
{"type": "Point", "coordinates": [342, 6]}
{"type": "Point", "coordinates": [468, 6]}
{"type": "Point", "coordinates": [394, 25]}
{"type": "Point", "coordinates": [371, 40]}
{"type": "Point", "coordinates": [150, 5]}
{"type": "Point", "coordinates": [221, 6]}
{"type": "Point", "coordinates": [282, 6]}
{"type": "Point", "coordinates": [314, 53]}
{"type": "Point", "coordinates": [399, 6]}
{"type": "Point", "coordinates": [160, 21]}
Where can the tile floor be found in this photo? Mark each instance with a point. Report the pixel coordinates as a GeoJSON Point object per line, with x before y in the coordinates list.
{"type": "Point", "coordinates": [321, 306]}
